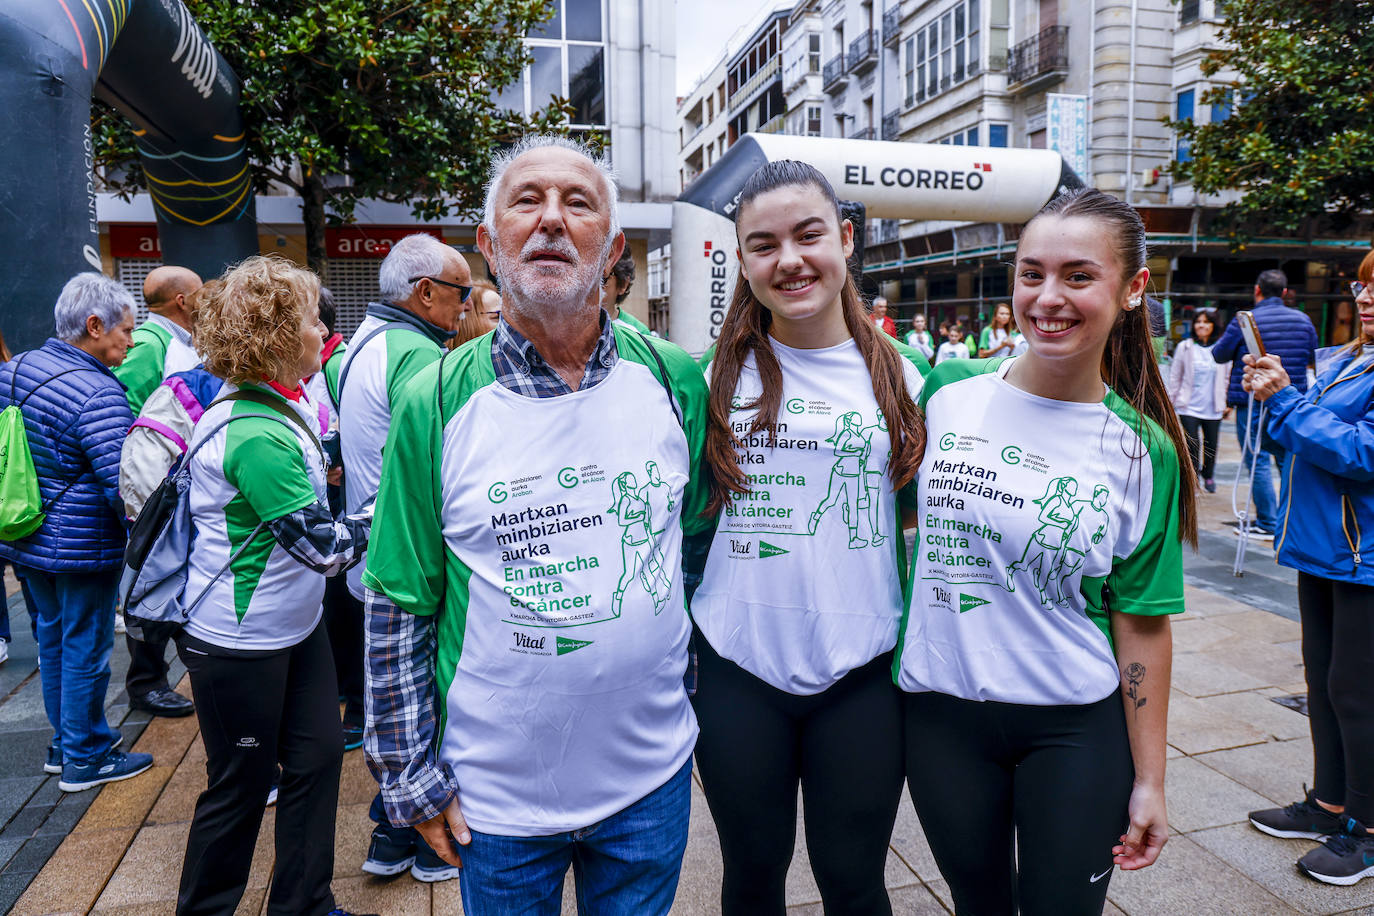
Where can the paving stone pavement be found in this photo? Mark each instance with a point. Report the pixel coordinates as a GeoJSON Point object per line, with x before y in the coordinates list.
{"type": "Point", "coordinates": [1232, 749]}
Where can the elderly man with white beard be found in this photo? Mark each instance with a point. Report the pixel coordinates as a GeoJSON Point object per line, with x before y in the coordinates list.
{"type": "Point", "coordinates": [528, 634]}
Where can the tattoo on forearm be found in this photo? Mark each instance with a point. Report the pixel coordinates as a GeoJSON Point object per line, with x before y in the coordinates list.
{"type": "Point", "coordinates": [1135, 677]}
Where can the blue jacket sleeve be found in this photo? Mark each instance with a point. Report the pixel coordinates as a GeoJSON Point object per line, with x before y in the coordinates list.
{"type": "Point", "coordinates": [1225, 349]}
{"type": "Point", "coordinates": [1319, 437]}
{"type": "Point", "coordinates": [104, 423]}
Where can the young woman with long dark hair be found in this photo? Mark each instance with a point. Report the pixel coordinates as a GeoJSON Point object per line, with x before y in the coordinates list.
{"type": "Point", "coordinates": [1197, 387]}
{"type": "Point", "coordinates": [1036, 650]}
{"type": "Point", "coordinates": [813, 434]}
{"type": "Point", "coordinates": [998, 338]}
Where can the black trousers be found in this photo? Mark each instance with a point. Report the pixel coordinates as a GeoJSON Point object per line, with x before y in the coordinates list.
{"type": "Point", "coordinates": [147, 666]}
{"type": "Point", "coordinates": [1209, 432]}
{"type": "Point", "coordinates": [343, 617]}
{"type": "Point", "coordinates": [255, 712]}
{"type": "Point", "coordinates": [1338, 654]}
{"type": "Point", "coordinates": [1021, 804]}
{"type": "Point", "coordinates": [843, 745]}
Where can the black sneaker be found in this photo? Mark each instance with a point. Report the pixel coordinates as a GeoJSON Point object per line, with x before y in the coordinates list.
{"type": "Point", "coordinates": [1344, 858]}
{"type": "Point", "coordinates": [391, 851]}
{"type": "Point", "coordinates": [1304, 820]}
{"type": "Point", "coordinates": [352, 736]}
{"type": "Point", "coordinates": [428, 867]}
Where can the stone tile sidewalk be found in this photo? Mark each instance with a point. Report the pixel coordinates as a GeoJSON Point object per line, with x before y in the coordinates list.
{"type": "Point", "coordinates": [1232, 749]}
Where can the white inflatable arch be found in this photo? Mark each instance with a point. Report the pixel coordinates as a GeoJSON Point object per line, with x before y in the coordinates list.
{"type": "Point", "coordinates": [922, 181]}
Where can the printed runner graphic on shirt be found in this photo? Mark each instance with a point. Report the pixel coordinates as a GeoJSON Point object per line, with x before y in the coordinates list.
{"type": "Point", "coordinates": [853, 486]}
{"type": "Point", "coordinates": [1048, 562]}
{"type": "Point", "coordinates": [547, 589]}
{"type": "Point", "coordinates": [1048, 556]}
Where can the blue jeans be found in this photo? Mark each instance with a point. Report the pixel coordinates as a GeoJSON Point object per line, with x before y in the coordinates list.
{"type": "Point", "coordinates": [75, 636]}
{"type": "Point", "coordinates": [1266, 499]}
{"type": "Point", "coordinates": [626, 865]}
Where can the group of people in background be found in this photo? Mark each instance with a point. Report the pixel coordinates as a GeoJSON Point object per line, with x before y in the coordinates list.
{"type": "Point", "coordinates": [539, 564]}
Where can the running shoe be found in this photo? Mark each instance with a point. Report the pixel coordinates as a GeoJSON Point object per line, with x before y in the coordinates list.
{"type": "Point", "coordinates": [1209, 485]}
{"type": "Point", "coordinates": [1304, 820]}
{"type": "Point", "coordinates": [53, 767]}
{"type": "Point", "coordinates": [4, 651]}
{"type": "Point", "coordinates": [1344, 858]}
{"type": "Point", "coordinates": [391, 851]}
{"type": "Point", "coordinates": [352, 736]}
{"type": "Point", "coordinates": [114, 766]}
{"type": "Point", "coordinates": [428, 867]}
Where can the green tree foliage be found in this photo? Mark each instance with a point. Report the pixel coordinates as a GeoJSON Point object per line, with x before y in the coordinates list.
{"type": "Point", "coordinates": [396, 95]}
{"type": "Point", "coordinates": [1300, 143]}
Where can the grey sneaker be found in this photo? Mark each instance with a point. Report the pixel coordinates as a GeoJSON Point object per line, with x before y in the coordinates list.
{"type": "Point", "coordinates": [1344, 858]}
{"type": "Point", "coordinates": [1304, 820]}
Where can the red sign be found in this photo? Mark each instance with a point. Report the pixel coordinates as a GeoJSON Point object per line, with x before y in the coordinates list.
{"type": "Point", "coordinates": [369, 241]}
{"type": "Point", "coordinates": [134, 240]}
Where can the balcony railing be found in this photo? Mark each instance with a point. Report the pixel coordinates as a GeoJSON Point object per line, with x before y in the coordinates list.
{"type": "Point", "coordinates": [1040, 59]}
{"type": "Point", "coordinates": [749, 90]}
{"type": "Point", "coordinates": [834, 76]}
{"type": "Point", "coordinates": [773, 125]}
{"type": "Point", "coordinates": [892, 26]}
{"type": "Point", "coordinates": [891, 127]}
{"type": "Point", "coordinates": [864, 133]}
{"type": "Point", "coordinates": [863, 52]}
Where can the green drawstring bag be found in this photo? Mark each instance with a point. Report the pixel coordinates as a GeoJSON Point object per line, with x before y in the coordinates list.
{"type": "Point", "coordinates": [21, 505]}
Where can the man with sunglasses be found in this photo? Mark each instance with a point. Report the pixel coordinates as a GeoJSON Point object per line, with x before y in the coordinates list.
{"type": "Point", "coordinates": [425, 287]}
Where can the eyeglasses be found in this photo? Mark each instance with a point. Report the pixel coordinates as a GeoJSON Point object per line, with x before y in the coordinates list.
{"type": "Point", "coordinates": [463, 291]}
{"type": "Point", "coordinates": [1356, 288]}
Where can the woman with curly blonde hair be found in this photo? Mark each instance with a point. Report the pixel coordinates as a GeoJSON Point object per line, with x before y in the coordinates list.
{"type": "Point", "coordinates": [259, 659]}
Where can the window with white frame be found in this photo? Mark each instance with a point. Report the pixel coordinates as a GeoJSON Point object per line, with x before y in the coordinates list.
{"type": "Point", "coordinates": [948, 49]}
{"type": "Point", "coordinates": [813, 52]}
{"type": "Point", "coordinates": [909, 70]}
{"type": "Point", "coordinates": [569, 61]}
{"type": "Point", "coordinates": [965, 137]}
{"type": "Point", "coordinates": [813, 120]}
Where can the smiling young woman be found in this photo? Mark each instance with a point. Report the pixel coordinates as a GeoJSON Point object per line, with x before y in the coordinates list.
{"type": "Point", "coordinates": [1036, 650]}
{"type": "Point", "coordinates": [812, 444]}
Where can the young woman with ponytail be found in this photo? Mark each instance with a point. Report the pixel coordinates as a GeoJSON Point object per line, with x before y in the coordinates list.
{"type": "Point", "coordinates": [1035, 654]}
{"type": "Point", "coordinates": [813, 435]}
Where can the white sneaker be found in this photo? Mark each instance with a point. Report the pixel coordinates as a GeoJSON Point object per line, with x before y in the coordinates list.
{"type": "Point", "coordinates": [4, 651]}
{"type": "Point", "coordinates": [119, 624]}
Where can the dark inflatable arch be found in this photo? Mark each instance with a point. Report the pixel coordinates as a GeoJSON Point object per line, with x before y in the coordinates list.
{"type": "Point", "coordinates": [149, 60]}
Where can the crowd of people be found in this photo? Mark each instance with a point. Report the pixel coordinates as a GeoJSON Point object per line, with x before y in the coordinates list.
{"type": "Point", "coordinates": [539, 563]}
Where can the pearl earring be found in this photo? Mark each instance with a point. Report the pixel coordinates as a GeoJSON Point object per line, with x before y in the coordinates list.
{"type": "Point", "coordinates": [1133, 302]}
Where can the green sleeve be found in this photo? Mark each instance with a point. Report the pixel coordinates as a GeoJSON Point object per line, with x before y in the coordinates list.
{"type": "Point", "coordinates": [405, 557]}
{"type": "Point", "coordinates": [707, 357]}
{"type": "Point", "coordinates": [985, 339]}
{"type": "Point", "coordinates": [912, 355]}
{"type": "Point", "coordinates": [406, 354]}
{"type": "Point", "coordinates": [332, 370]}
{"type": "Point", "coordinates": [141, 370]}
{"type": "Point", "coordinates": [264, 462]}
{"type": "Point", "coordinates": [954, 370]}
{"type": "Point", "coordinates": [1149, 581]}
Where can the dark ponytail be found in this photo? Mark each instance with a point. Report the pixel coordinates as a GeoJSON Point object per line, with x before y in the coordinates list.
{"type": "Point", "coordinates": [1128, 363]}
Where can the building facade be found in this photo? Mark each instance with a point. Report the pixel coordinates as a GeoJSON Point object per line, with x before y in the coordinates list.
{"type": "Point", "coordinates": [614, 60]}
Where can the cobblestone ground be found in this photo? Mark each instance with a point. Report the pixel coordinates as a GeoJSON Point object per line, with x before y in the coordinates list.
{"type": "Point", "coordinates": [1233, 748]}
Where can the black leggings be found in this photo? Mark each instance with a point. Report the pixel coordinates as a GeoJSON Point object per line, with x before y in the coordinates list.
{"type": "Point", "coordinates": [1338, 653]}
{"type": "Point", "coordinates": [994, 782]}
{"type": "Point", "coordinates": [1210, 431]}
{"type": "Point", "coordinates": [844, 746]}
{"type": "Point", "coordinates": [255, 712]}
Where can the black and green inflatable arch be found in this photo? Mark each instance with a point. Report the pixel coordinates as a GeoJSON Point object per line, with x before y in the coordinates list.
{"type": "Point", "coordinates": [149, 60]}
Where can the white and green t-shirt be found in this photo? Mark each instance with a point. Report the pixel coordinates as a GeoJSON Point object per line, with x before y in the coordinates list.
{"type": "Point", "coordinates": [991, 337]}
{"type": "Point", "coordinates": [376, 375]}
{"type": "Point", "coordinates": [546, 534]}
{"type": "Point", "coordinates": [252, 470]}
{"type": "Point", "coordinates": [1037, 518]}
{"type": "Point", "coordinates": [805, 575]}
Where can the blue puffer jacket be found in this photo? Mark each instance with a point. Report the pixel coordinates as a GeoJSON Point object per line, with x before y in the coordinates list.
{"type": "Point", "coordinates": [1326, 501]}
{"type": "Point", "coordinates": [76, 427]}
{"type": "Point", "coordinates": [1286, 333]}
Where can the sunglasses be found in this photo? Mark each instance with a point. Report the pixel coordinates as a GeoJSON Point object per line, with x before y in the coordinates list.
{"type": "Point", "coordinates": [1357, 288]}
{"type": "Point", "coordinates": [463, 291]}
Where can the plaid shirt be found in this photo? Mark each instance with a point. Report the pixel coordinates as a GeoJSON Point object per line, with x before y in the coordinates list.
{"type": "Point", "coordinates": [400, 738]}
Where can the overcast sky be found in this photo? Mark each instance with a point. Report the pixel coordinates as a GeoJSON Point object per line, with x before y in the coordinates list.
{"type": "Point", "coordinates": [703, 28]}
